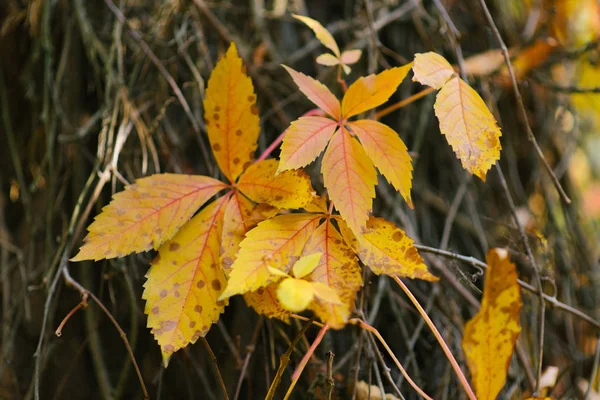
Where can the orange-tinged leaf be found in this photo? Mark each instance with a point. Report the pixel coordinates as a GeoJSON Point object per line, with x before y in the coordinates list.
{"type": "Point", "coordinates": [371, 91]}
{"type": "Point", "coordinates": [469, 126]}
{"type": "Point", "coordinates": [328, 60]}
{"type": "Point", "coordinates": [350, 57]}
{"type": "Point", "coordinates": [388, 152]}
{"type": "Point", "coordinates": [386, 249]}
{"type": "Point", "coordinates": [321, 33]}
{"type": "Point", "coordinates": [338, 268]}
{"type": "Point", "coordinates": [304, 140]}
{"type": "Point", "coordinates": [264, 301]}
{"type": "Point", "coordinates": [531, 57]}
{"type": "Point", "coordinates": [277, 243]}
{"type": "Point", "coordinates": [231, 115]}
{"type": "Point", "coordinates": [288, 189]}
{"type": "Point", "coordinates": [350, 178]}
{"type": "Point", "coordinates": [490, 337]}
{"type": "Point", "coordinates": [185, 281]}
{"type": "Point", "coordinates": [316, 92]}
{"type": "Point", "coordinates": [146, 214]}
{"type": "Point", "coordinates": [431, 69]}
{"type": "Point", "coordinates": [240, 216]}
{"type": "Point", "coordinates": [325, 293]}
{"type": "Point", "coordinates": [295, 294]}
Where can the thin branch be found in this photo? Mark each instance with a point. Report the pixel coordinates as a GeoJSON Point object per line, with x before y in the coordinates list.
{"type": "Point", "coordinates": [520, 104]}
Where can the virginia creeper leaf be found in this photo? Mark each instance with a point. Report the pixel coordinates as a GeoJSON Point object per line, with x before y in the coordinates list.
{"type": "Point", "coordinates": [321, 33]}
{"type": "Point", "coordinates": [388, 152]}
{"type": "Point", "coordinates": [338, 268]}
{"type": "Point", "coordinates": [185, 281]}
{"type": "Point", "coordinates": [295, 294]}
{"type": "Point", "coordinates": [371, 91]}
{"type": "Point", "coordinates": [328, 60]}
{"type": "Point", "coordinates": [288, 189]}
{"type": "Point", "coordinates": [277, 243]}
{"type": "Point", "coordinates": [231, 115]}
{"type": "Point", "coordinates": [306, 264]}
{"type": "Point", "coordinates": [316, 92]}
{"type": "Point", "coordinates": [264, 301]}
{"type": "Point", "coordinates": [304, 140]}
{"type": "Point", "coordinates": [318, 205]}
{"type": "Point", "coordinates": [490, 337]}
{"type": "Point", "coordinates": [350, 178]}
{"type": "Point", "coordinates": [146, 214]}
{"type": "Point", "coordinates": [350, 57]}
{"type": "Point", "coordinates": [386, 249]}
{"type": "Point", "coordinates": [431, 69]}
{"type": "Point", "coordinates": [469, 126]}
{"type": "Point", "coordinates": [240, 216]}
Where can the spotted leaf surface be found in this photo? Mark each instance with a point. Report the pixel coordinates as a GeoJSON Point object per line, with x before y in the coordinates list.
{"type": "Point", "coordinates": [350, 178]}
{"type": "Point", "coordinates": [490, 337]}
{"type": "Point", "coordinates": [185, 281]}
{"type": "Point", "coordinates": [264, 301]}
{"type": "Point", "coordinates": [432, 70]}
{"type": "Point", "coordinates": [146, 214]}
{"type": "Point", "coordinates": [388, 152]}
{"type": "Point", "coordinates": [304, 140]}
{"type": "Point", "coordinates": [231, 115]}
{"type": "Point", "coordinates": [277, 243]}
{"type": "Point", "coordinates": [387, 250]}
{"type": "Point", "coordinates": [240, 216]}
{"type": "Point", "coordinates": [469, 126]}
{"type": "Point", "coordinates": [288, 189]}
{"type": "Point", "coordinates": [373, 90]}
{"type": "Point", "coordinates": [337, 268]}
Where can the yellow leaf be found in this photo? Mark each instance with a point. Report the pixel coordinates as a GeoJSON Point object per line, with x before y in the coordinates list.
{"type": "Point", "coordinates": [328, 60]}
{"type": "Point", "coordinates": [338, 269]}
{"type": "Point", "coordinates": [469, 126]}
{"type": "Point", "coordinates": [304, 140]}
{"type": "Point", "coordinates": [316, 92]}
{"type": "Point", "coordinates": [240, 216]}
{"type": "Point", "coordinates": [231, 115]}
{"type": "Point", "coordinates": [431, 69]}
{"type": "Point", "coordinates": [386, 249]}
{"type": "Point", "coordinates": [306, 264]}
{"type": "Point", "coordinates": [185, 281]}
{"type": "Point", "coordinates": [325, 293]}
{"type": "Point", "coordinates": [295, 294]}
{"type": "Point", "coordinates": [371, 91]}
{"type": "Point", "coordinates": [318, 205]}
{"type": "Point", "coordinates": [490, 337]}
{"type": "Point", "coordinates": [264, 301]}
{"type": "Point", "coordinates": [288, 189]}
{"type": "Point", "coordinates": [146, 214]}
{"type": "Point", "coordinates": [388, 152]}
{"type": "Point", "coordinates": [321, 33]}
{"type": "Point", "coordinates": [350, 178]}
{"type": "Point", "coordinates": [277, 243]}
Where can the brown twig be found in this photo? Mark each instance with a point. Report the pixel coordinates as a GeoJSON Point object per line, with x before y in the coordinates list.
{"type": "Point", "coordinates": [82, 304]}
{"type": "Point", "coordinates": [216, 365]}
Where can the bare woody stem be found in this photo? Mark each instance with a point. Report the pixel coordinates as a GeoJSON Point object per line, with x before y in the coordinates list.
{"type": "Point", "coordinates": [440, 339]}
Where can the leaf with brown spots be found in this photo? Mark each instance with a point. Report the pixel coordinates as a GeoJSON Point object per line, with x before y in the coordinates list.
{"type": "Point", "coordinates": [386, 249]}
{"type": "Point", "coordinates": [338, 268]}
{"type": "Point", "coordinates": [490, 337]}
{"type": "Point", "coordinates": [231, 115]}
{"type": "Point", "coordinates": [240, 216]}
{"type": "Point", "coordinates": [264, 301]}
{"type": "Point", "coordinates": [185, 282]}
{"type": "Point", "coordinates": [146, 214]}
{"type": "Point", "coordinates": [288, 189]}
{"type": "Point", "coordinates": [277, 243]}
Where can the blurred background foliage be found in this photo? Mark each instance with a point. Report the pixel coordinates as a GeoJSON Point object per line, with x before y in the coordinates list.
{"type": "Point", "coordinates": [94, 94]}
